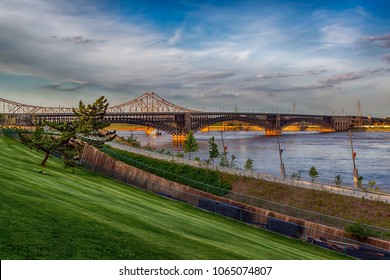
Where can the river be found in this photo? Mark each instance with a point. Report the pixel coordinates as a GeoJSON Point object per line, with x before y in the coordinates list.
{"type": "Point", "coordinates": [329, 153]}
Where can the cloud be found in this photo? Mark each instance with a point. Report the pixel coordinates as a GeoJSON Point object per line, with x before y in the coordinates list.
{"type": "Point", "coordinates": [341, 78]}
{"type": "Point", "coordinates": [276, 75]}
{"type": "Point", "coordinates": [337, 34]}
{"type": "Point", "coordinates": [287, 75]}
{"type": "Point", "coordinates": [379, 41]}
{"type": "Point", "coordinates": [386, 58]}
{"type": "Point", "coordinates": [175, 38]}
{"type": "Point", "coordinates": [64, 86]}
{"type": "Point", "coordinates": [76, 39]}
{"type": "Point", "coordinates": [221, 95]}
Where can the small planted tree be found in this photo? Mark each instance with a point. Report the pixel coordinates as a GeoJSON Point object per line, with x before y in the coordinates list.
{"type": "Point", "coordinates": [249, 164]}
{"type": "Point", "coordinates": [313, 173]}
{"type": "Point", "coordinates": [338, 181]}
{"type": "Point", "coordinates": [232, 161]}
{"type": "Point", "coordinates": [371, 185]}
{"type": "Point", "coordinates": [224, 162]}
{"type": "Point", "coordinates": [297, 175]}
{"type": "Point", "coordinates": [213, 149]}
{"type": "Point", "coordinates": [360, 182]}
{"type": "Point", "coordinates": [190, 145]}
{"type": "Point", "coordinates": [133, 141]}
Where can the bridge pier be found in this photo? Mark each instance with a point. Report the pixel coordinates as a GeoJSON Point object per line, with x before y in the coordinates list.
{"type": "Point", "coordinates": [179, 137]}
{"type": "Point", "coordinates": [273, 132]}
{"type": "Point", "coordinates": [327, 129]}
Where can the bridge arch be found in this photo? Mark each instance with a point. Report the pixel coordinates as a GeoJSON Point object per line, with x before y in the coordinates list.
{"type": "Point", "coordinates": [201, 123]}
{"type": "Point", "coordinates": [320, 122]}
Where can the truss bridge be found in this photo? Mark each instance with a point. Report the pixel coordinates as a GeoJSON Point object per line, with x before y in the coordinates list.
{"type": "Point", "coordinates": [153, 111]}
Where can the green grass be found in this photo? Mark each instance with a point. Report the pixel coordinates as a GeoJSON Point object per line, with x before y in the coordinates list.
{"type": "Point", "coordinates": [199, 178]}
{"type": "Point", "coordinates": [60, 215]}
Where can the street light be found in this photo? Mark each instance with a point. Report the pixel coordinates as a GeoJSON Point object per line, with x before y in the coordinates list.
{"type": "Point", "coordinates": [224, 147]}
{"type": "Point", "coordinates": [282, 170]}
{"type": "Point", "coordinates": [355, 171]}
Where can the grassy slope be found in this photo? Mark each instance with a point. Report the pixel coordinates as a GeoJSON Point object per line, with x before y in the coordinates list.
{"type": "Point", "coordinates": [361, 210]}
{"type": "Point", "coordinates": [60, 215]}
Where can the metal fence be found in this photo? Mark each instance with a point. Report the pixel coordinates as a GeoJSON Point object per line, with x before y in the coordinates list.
{"type": "Point", "coordinates": [331, 221]}
{"type": "Point", "coordinates": [321, 238]}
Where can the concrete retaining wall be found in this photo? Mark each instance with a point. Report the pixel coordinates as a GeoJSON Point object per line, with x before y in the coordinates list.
{"type": "Point", "coordinates": [99, 161]}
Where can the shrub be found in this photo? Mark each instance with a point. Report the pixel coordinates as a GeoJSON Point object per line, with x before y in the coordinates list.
{"type": "Point", "coordinates": [202, 179]}
{"type": "Point", "coordinates": [358, 231]}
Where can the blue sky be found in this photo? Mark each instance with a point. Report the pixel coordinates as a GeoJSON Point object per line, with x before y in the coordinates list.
{"type": "Point", "coordinates": [208, 55]}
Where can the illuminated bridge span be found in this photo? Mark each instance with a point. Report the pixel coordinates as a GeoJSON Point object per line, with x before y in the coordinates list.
{"type": "Point", "coordinates": [153, 111]}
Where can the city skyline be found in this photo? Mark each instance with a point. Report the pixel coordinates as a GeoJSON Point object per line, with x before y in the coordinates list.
{"type": "Point", "coordinates": [206, 55]}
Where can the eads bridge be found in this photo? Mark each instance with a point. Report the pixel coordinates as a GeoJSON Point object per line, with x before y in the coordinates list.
{"type": "Point", "coordinates": [153, 111]}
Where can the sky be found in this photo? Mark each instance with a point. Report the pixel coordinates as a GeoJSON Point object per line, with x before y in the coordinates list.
{"type": "Point", "coordinates": [245, 55]}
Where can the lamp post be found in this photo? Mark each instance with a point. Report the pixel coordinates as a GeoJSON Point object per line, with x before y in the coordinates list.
{"type": "Point", "coordinates": [224, 147]}
{"type": "Point", "coordinates": [355, 171]}
{"type": "Point", "coordinates": [282, 170]}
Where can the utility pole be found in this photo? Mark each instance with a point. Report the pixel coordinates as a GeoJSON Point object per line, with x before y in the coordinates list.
{"type": "Point", "coordinates": [359, 121]}
{"type": "Point", "coordinates": [282, 170]}
{"type": "Point", "coordinates": [355, 171]}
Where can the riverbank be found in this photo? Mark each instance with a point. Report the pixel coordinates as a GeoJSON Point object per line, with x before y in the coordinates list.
{"type": "Point", "coordinates": [327, 200]}
{"type": "Point", "coordinates": [372, 128]}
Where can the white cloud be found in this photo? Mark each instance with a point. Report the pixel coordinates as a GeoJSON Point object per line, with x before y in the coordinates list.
{"type": "Point", "coordinates": [334, 35]}
{"type": "Point", "coordinates": [219, 52]}
{"type": "Point", "coordinates": [175, 38]}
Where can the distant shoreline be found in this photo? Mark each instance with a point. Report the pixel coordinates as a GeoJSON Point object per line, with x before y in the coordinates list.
{"type": "Point", "coordinates": [372, 128]}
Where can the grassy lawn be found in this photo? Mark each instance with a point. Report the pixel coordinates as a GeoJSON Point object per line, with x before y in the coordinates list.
{"type": "Point", "coordinates": [60, 215]}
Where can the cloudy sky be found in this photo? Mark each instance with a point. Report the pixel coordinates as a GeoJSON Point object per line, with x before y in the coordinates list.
{"type": "Point", "coordinates": [212, 55]}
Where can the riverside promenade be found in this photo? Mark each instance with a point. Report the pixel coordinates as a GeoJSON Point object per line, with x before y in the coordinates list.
{"type": "Point", "coordinates": [343, 190]}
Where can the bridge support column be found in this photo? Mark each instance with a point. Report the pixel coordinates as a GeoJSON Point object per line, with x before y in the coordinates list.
{"type": "Point", "coordinates": [149, 130]}
{"type": "Point", "coordinates": [326, 129]}
{"type": "Point", "coordinates": [179, 137]}
{"type": "Point", "coordinates": [273, 132]}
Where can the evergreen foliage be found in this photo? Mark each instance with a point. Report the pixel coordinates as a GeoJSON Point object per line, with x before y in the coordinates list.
{"type": "Point", "coordinates": [67, 138]}
{"type": "Point", "coordinates": [313, 173]}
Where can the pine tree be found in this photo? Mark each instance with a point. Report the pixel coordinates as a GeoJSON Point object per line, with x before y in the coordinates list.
{"type": "Point", "coordinates": [67, 138]}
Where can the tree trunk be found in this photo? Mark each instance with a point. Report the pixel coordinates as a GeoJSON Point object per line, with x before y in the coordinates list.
{"type": "Point", "coordinates": [47, 154]}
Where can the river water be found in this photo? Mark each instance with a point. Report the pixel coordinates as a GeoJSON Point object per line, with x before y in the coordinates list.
{"type": "Point", "coordinates": [329, 153]}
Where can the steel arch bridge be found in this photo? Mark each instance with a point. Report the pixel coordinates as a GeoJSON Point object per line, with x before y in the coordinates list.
{"type": "Point", "coordinates": [153, 111]}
